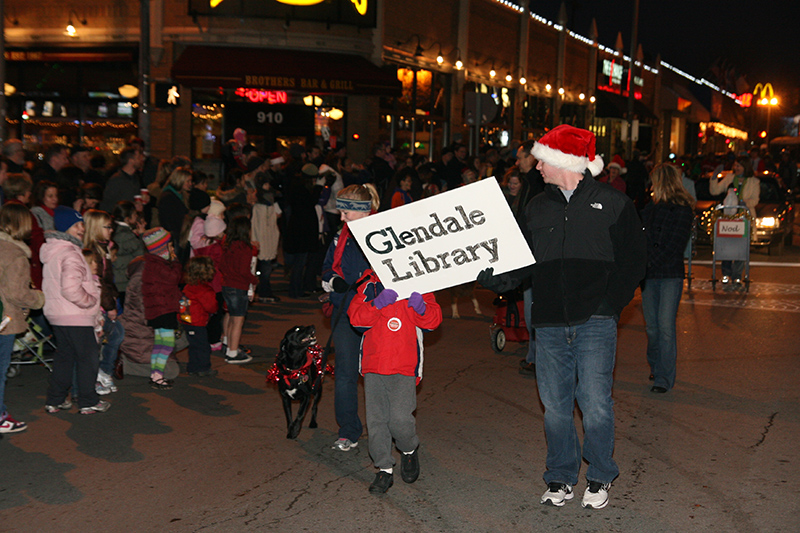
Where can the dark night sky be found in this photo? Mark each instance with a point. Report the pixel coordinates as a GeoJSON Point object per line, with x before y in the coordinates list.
{"type": "Point", "coordinates": [761, 40]}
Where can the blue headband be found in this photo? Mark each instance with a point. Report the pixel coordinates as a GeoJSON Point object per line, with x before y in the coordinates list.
{"type": "Point", "coordinates": [345, 204]}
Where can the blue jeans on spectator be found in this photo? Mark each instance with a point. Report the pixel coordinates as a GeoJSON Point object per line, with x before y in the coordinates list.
{"type": "Point", "coordinates": [6, 347]}
{"type": "Point", "coordinates": [577, 363]}
{"type": "Point", "coordinates": [527, 301]}
{"type": "Point", "coordinates": [264, 269]}
{"type": "Point", "coordinates": [660, 299]}
{"type": "Point", "coordinates": [297, 264]}
{"type": "Point", "coordinates": [348, 343]}
{"type": "Point", "coordinates": [109, 350]}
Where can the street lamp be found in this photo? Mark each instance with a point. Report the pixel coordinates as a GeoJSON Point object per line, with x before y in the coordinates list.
{"type": "Point", "coordinates": [769, 103]}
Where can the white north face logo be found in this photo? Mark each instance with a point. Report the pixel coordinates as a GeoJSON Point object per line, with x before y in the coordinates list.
{"type": "Point", "coordinates": [597, 205]}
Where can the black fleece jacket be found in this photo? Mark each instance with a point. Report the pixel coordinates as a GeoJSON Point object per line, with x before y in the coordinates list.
{"type": "Point", "coordinates": [590, 253]}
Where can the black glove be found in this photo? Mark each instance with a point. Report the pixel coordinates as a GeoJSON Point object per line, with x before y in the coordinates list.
{"type": "Point", "coordinates": [339, 284]}
{"type": "Point", "coordinates": [487, 278]}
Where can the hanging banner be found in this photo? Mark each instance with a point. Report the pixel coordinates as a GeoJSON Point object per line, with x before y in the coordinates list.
{"type": "Point", "coordinates": [444, 240]}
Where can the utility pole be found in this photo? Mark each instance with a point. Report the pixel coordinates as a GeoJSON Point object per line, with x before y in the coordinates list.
{"type": "Point", "coordinates": [144, 74]}
{"type": "Point", "coordinates": [634, 45]}
{"type": "Point", "coordinates": [3, 109]}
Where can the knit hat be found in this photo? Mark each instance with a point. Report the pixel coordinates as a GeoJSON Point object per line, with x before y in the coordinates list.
{"type": "Point", "coordinates": [198, 199]}
{"type": "Point", "coordinates": [157, 241]}
{"type": "Point", "coordinates": [310, 169]}
{"type": "Point", "coordinates": [217, 209]}
{"type": "Point", "coordinates": [213, 227]}
{"type": "Point", "coordinates": [569, 148]}
{"type": "Point", "coordinates": [276, 158]}
{"type": "Point", "coordinates": [65, 217]}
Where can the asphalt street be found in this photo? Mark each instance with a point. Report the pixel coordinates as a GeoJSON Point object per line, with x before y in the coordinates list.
{"type": "Point", "coordinates": [718, 451]}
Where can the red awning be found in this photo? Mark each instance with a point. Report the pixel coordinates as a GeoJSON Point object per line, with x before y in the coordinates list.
{"type": "Point", "coordinates": [282, 70]}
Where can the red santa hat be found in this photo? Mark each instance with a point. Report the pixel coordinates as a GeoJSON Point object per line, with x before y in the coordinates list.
{"type": "Point", "coordinates": [569, 148]}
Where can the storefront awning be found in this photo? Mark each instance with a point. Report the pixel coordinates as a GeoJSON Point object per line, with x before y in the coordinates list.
{"type": "Point", "coordinates": [282, 70]}
{"type": "Point", "coordinates": [611, 105]}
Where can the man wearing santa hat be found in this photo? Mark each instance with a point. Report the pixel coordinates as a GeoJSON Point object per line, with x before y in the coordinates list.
{"type": "Point", "coordinates": [590, 255]}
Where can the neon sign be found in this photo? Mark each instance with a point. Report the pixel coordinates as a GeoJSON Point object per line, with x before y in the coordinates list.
{"type": "Point", "coordinates": [260, 95]}
{"type": "Point", "coordinates": [359, 5]}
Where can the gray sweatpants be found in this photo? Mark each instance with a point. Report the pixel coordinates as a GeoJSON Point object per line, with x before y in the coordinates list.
{"type": "Point", "coordinates": [390, 402]}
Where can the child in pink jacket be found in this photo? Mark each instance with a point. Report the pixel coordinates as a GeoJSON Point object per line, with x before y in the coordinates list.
{"type": "Point", "coordinates": [72, 303]}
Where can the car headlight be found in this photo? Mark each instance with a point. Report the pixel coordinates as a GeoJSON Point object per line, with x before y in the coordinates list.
{"type": "Point", "coordinates": [767, 222]}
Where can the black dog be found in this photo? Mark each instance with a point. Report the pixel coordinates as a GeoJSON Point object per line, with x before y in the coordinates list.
{"type": "Point", "coordinates": [298, 372]}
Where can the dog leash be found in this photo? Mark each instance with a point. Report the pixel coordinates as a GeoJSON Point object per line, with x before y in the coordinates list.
{"type": "Point", "coordinates": [335, 322]}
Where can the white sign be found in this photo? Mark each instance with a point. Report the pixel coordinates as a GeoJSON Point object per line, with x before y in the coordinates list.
{"type": "Point", "coordinates": [730, 227]}
{"type": "Point", "coordinates": [444, 240]}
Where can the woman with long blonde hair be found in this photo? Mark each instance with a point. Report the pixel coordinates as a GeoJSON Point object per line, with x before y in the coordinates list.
{"type": "Point", "coordinates": [344, 264]}
{"type": "Point", "coordinates": [97, 239]}
{"type": "Point", "coordinates": [668, 226]}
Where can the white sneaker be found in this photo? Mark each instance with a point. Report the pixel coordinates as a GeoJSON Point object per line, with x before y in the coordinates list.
{"type": "Point", "coordinates": [344, 445]}
{"type": "Point", "coordinates": [557, 494]}
{"type": "Point", "coordinates": [106, 381]}
{"type": "Point", "coordinates": [101, 407]}
{"type": "Point", "coordinates": [101, 389]}
{"type": "Point", "coordinates": [596, 495]}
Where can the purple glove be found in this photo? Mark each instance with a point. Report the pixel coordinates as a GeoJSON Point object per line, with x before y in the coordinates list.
{"type": "Point", "coordinates": [387, 297]}
{"type": "Point", "coordinates": [416, 303]}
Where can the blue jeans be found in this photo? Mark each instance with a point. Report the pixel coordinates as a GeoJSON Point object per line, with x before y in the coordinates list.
{"type": "Point", "coordinates": [660, 299]}
{"type": "Point", "coordinates": [6, 347]}
{"type": "Point", "coordinates": [527, 301]}
{"type": "Point", "coordinates": [577, 363]}
{"type": "Point", "coordinates": [199, 349]}
{"type": "Point", "coordinates": [297, 264]}
{"type": "Point", "coordinates": [115, 334]}
{"type": "Point", "coordinates": [348, 345]}
{"type": "Point", "coordinates": [264, 268]}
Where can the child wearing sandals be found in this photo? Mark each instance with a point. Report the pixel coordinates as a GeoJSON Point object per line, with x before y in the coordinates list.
{"type": "Point", "coordinates": [391, 363]}
{"type": "Point", "coordinates": [161, 293]}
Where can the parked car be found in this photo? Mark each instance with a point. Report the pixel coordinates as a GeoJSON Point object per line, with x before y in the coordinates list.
{"type": "Point", "coordinates": [774, 214]}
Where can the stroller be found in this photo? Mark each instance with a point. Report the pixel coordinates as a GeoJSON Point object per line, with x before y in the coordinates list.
{"type": "Point", "coordinates": [509, 321]}
{"type": "Point", "coordinates": [29, 349]}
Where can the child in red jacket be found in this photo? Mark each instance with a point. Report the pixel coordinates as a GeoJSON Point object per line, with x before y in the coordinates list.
{"type": "Point", "coordinates": [161, 294]}
{"type": "Point", "coordinates": [236, 280]}
{"type": "Point", "coordinates": [202, 302]}
{"type": "Point", "coordinates": [391, 363]}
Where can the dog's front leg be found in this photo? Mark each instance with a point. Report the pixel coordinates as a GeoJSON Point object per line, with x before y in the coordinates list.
{"type": "Point", "coordinates": [287, 410]}
{"type": "Point", "coordinates": [294, 427]}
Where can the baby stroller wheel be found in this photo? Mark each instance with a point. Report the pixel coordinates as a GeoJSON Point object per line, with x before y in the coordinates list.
{"type": "Point", "coordinates": [498, 340]}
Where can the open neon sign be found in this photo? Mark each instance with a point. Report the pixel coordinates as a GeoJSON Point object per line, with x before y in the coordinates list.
{"type": "Point", "coordinates": [260, 95]}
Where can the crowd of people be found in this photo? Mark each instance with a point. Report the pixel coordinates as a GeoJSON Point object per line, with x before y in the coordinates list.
{"type": "Point", "coordinates": [113, 260]}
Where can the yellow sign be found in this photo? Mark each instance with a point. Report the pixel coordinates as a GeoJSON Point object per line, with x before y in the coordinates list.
{"type": "Point", "coordinates": [301, 2]}
{"type": "Point", "coordinates": [361, 6]}
{"type": "Point", "coordinates": [762, 89]}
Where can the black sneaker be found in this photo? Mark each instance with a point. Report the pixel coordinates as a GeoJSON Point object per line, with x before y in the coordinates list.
{"type": "Point", "coordinates": [383, 480]}
{"type": "Point", "coordinates": [239, 359]}
{"type": "Point", "coordinates": [210, 373]}
{"type": "Point", "coordinates": [409, 466]}
{"type": "Point", "coordinates": [527, 369]}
